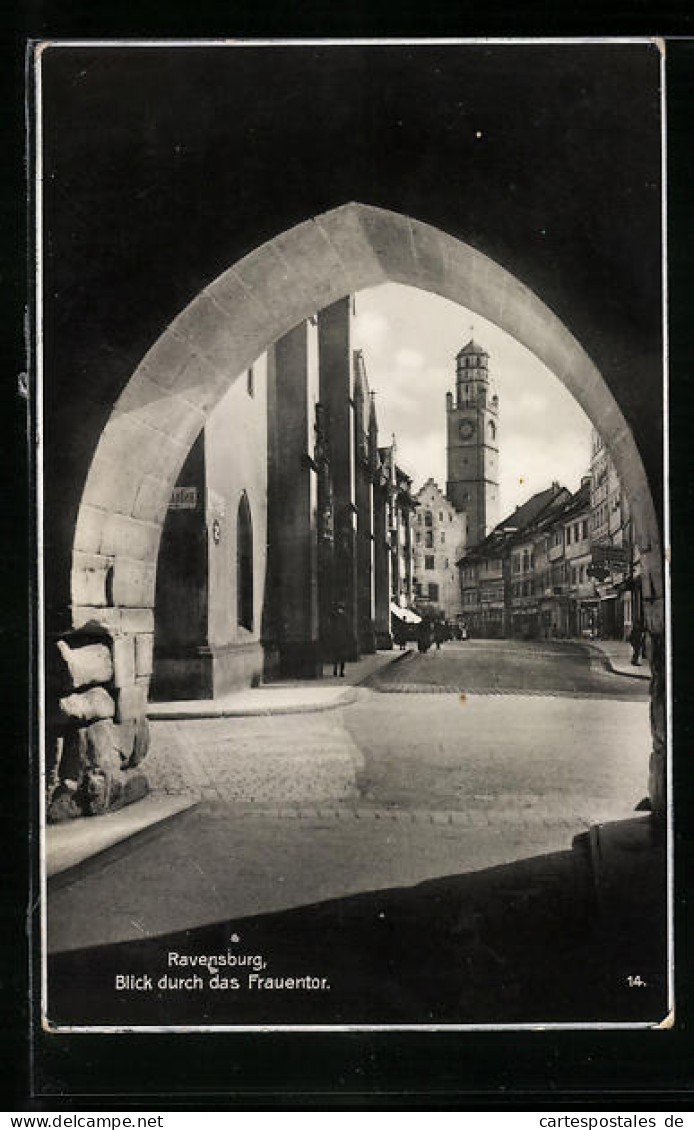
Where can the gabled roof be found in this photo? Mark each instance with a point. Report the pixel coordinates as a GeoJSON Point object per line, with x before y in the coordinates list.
{"type": "Point", "coordinates": [545, 502]}
{"type": "Point", "coordinates": [578, 501]}
{"type": "Point", "coordinates": [524, 516]}
{"type": "Point", "coordinates": [432, 483]}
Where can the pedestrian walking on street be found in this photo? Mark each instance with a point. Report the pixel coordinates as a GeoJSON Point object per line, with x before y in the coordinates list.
{"type": "Point", "coordinates": [399, 633]}
{"type": "Point", "coordinates": [637, 640]}
{"type": "Point", "coordinates": [338, 639]}
{"type": "Point", "coordinates": [424, 637]}
{"type": "Point", "coordinates": [439, 634]}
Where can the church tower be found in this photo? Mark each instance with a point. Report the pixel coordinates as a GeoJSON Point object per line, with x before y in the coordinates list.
{"type": "Point", "coordinates": [472, 420]}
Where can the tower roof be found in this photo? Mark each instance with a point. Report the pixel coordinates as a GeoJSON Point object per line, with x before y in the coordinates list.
{"type": "Point", "coordinates": [472, 347]}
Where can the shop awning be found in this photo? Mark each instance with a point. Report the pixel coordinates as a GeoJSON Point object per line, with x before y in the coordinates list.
{"type": "Point", "coordinates": [405, 614]}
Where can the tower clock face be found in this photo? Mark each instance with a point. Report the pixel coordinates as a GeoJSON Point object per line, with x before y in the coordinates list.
{"type": "Point", "coordinates": [466, 428]}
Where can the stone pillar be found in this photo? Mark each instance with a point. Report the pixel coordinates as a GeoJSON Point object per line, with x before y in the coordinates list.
{"type": "Point", "coordinates": [292, 507]}
{"type": "Point", "coordinates": [337, 398]}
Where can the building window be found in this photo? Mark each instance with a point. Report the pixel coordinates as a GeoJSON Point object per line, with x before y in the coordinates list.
{"type": "Point", "coordinates": [250, 382]}
{"type": "Point", "coordinates": [443, 538]}
{"type": "Point", "coordinates": [428, 518]}
{"type": "Point", "coordinates": [568, 535]}
{"type": "Point", "coordinates": [433, 592]}
{"type": "Point", "coordinates": [418, 537]}
{"type": "Point", "coordinates": [429, 539]}
{"type": "Point", "coordinates": [428, 562]}
{"type": "Point", "coordinates": [585, 528]}
{"type": "Point", "coordinates": [244, 565]}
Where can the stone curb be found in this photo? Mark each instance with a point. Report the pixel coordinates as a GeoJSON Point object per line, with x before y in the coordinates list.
{"type": "Point", "coordinates": [170, 713]}
{"type": "Point", "coordinates": [68, 845]}
{"type": "Point", "coordinates": [160, 712]}
{"type": "Point", "coordinates": [617, 668]}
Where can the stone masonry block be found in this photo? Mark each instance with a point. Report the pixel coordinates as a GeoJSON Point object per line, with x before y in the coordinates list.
{"type": "Point", "coordinates": [162, 409]}
{"type": "Point", "coordinates": [270, 279]}
{"type": "Point", "coordinates": [88, 528]}
{"type": "Point", "coordinates": [390, 236]}
{"type": "Point", "coordinates": [130, 537]}
{"type": "Point", "coordinates": [167, 357]}
{"type": "Point", "coordinates": [344, 230]}
{"type": "Point", "coordinates": [84, 666]}
{"type": "Point", "coordinates": [114, 487]}
{"type": "Point", "coordinates": [86, 706]}
{"type": "Point", "coordinates": [86, 616]}
{"type": "Point", "coordinates": [229, 336]}
{"type": "Point", "coordinates": [144, 649]}
{"type": "Point", "coordinates": [430, 253]}
{"type": "Point", "coordinates": [112, 619]}
{"type": "Point", "coordinates": [133, 441]}
{"type": "Point", "coordinates": [313, 259]}
{"type": "Point", "coordinates": [137, 620]}
{"type": "Point", "coordinates": [132, 740]}
{"type": "Point", "coordinates": [91, 578]}
{"type": "Point", "coordinates": [134, 583]}
{"type": "Point", "coordinates": [132, 703]}
{"type": "Point", "coordinates": [123, 660]}
{"type": "Point", "coordinates": [152, 500]}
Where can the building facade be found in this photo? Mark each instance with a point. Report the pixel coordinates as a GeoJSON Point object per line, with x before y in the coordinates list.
{"type": "Point", "coordinates": [213, 554]}
{"type": "Point", "coordinates": [439, 541]}
{"type": "Point", "coordinates": [567, 570]}
{"type": "Point", "coordinates": [285, 507]}
{"type": "Point", "coordinates": [499, 577]}
{"type": "Point", "coordinates": [616, 564]}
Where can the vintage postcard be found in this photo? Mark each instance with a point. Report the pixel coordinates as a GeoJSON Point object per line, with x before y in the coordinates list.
{"type": "Point", "coordinates": [352, 515]}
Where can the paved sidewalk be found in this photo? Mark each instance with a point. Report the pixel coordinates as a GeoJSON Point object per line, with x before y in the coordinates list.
{"type": "Point", "coordinates": [290, 696]}
{"type": "Point", "coordinates": [194, 756]}
{"type": "Point", "coordinates": [617, 654]}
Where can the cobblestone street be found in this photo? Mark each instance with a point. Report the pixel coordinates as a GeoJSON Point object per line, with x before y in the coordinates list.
{"type": "Point", "coordinates": [383, 795]}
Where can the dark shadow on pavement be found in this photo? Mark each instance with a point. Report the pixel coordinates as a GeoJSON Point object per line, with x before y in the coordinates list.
{"type": "Point", "coordinates": [541, 940]}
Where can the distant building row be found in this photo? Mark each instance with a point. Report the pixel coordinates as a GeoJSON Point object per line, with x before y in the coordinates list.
{"type": "Point", "coordinates": [561, 565]}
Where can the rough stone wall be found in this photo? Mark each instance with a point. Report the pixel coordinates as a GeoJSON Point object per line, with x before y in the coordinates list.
{"type": "Point", "coordinates": [97, 732]}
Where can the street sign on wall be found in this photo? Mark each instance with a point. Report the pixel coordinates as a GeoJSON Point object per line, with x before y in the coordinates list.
{"type": "Point", "coordinates": [184, 498]}
{"type": "Point", "coordinates": [609, 556]}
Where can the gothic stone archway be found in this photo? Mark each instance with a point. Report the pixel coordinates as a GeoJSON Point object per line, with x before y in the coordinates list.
{"type": "Point", "coordinates": [218, 335]}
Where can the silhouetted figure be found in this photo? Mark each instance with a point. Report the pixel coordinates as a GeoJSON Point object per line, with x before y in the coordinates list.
{"type": "Point", "coordinates": [638, 642]}
{"type": "Point", "coordinates": [399, 633]}
{"type": "Point", "coordinates": [424, 637]}
{"type": "Point", "coordinates": [338, 638]}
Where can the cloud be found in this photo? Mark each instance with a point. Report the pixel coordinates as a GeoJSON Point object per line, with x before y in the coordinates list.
{"type": "Point", "coordinates": [371, 331]}
{"type": "Point", "coordinates": [544, 434]}
{"type": "Point", "coordinates": [408, 358]}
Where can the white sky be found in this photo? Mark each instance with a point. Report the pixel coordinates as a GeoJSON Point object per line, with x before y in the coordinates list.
{"type": "Point", "coordinates": [410, 339]}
